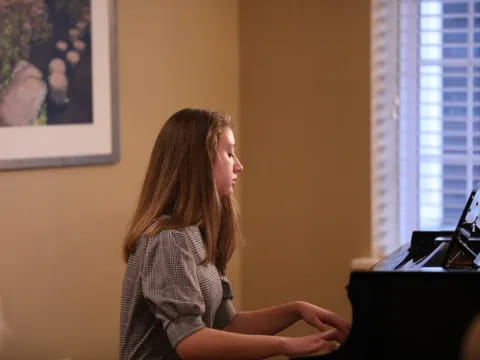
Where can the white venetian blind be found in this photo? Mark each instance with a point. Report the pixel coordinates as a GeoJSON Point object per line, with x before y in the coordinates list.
{"type": "Point", "coordinates": [384, 125]}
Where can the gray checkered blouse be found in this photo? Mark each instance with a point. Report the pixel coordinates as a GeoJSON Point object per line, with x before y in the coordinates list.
{"type": "Point", "coordinates": [167, 295]}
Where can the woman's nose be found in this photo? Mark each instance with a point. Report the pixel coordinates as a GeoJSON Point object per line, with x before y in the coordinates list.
{"type": "Point", "coordinates": [238, 166]}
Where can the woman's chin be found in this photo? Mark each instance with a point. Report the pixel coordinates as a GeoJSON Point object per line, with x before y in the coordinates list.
{"type": "Point", "coordinates": [225, 194]}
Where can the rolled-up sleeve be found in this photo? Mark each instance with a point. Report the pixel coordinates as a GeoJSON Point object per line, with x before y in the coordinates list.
{"type": "Point", "coordinates": [170, 286]}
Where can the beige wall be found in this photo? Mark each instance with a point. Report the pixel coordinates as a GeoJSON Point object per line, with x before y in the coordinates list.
{"type": "Point", "coordinates": [61, 229]}
{"type": "Point", "coordinates": [305, 147]}
{"type": "Point", "coordinates": [302, 95]}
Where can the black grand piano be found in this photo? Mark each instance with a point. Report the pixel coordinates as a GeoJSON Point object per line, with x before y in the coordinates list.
{"type": "Point", "coordinates": [421, 301]}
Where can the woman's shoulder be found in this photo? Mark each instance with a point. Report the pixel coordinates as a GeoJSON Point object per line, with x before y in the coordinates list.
{"type": "Point", "coordinates": [178, 235]}
{"type": "Point", "coordinates": [188, 239]}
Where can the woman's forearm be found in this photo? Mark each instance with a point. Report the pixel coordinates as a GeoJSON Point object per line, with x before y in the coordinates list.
{"type": "Point", "coordinates": [266, 321]}
{"type": "Point", "coordinates": [211, 344]}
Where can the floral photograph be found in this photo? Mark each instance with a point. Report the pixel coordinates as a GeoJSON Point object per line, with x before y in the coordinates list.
{"type": "Point", "coordinates": [45, 63]}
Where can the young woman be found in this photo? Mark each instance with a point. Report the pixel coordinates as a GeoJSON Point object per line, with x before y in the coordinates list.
{"type": "Point", "coordinates": [176, 300]}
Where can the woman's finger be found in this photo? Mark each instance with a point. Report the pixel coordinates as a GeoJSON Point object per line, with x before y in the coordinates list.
{"type": "Point", "coordinates": [336, 321]}
{"type": "Point", "coordinates": [333, 334]}
{"type": "Point", "coordinates": [319, 324]}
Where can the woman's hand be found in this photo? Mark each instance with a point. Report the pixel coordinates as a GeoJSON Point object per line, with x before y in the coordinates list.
{"type": "Point", "coordinates": [322, 342]}
{"type": "Point", "coordinates": [323, 320]}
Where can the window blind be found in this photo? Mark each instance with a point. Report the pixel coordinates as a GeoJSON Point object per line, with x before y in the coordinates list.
{"type": "Point", "coordinates": [384, 125]}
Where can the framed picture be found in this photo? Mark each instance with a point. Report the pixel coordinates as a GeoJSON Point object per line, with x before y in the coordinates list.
{"type": "Point", "coordinates": [58, 83]}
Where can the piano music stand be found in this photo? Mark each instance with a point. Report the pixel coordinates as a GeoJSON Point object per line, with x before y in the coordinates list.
{"type": "Point", "coordinates": [459, 254]}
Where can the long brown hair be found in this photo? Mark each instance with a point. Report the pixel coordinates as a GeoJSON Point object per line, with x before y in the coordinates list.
{"type": "Point", "coordinates": [180, 183]}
